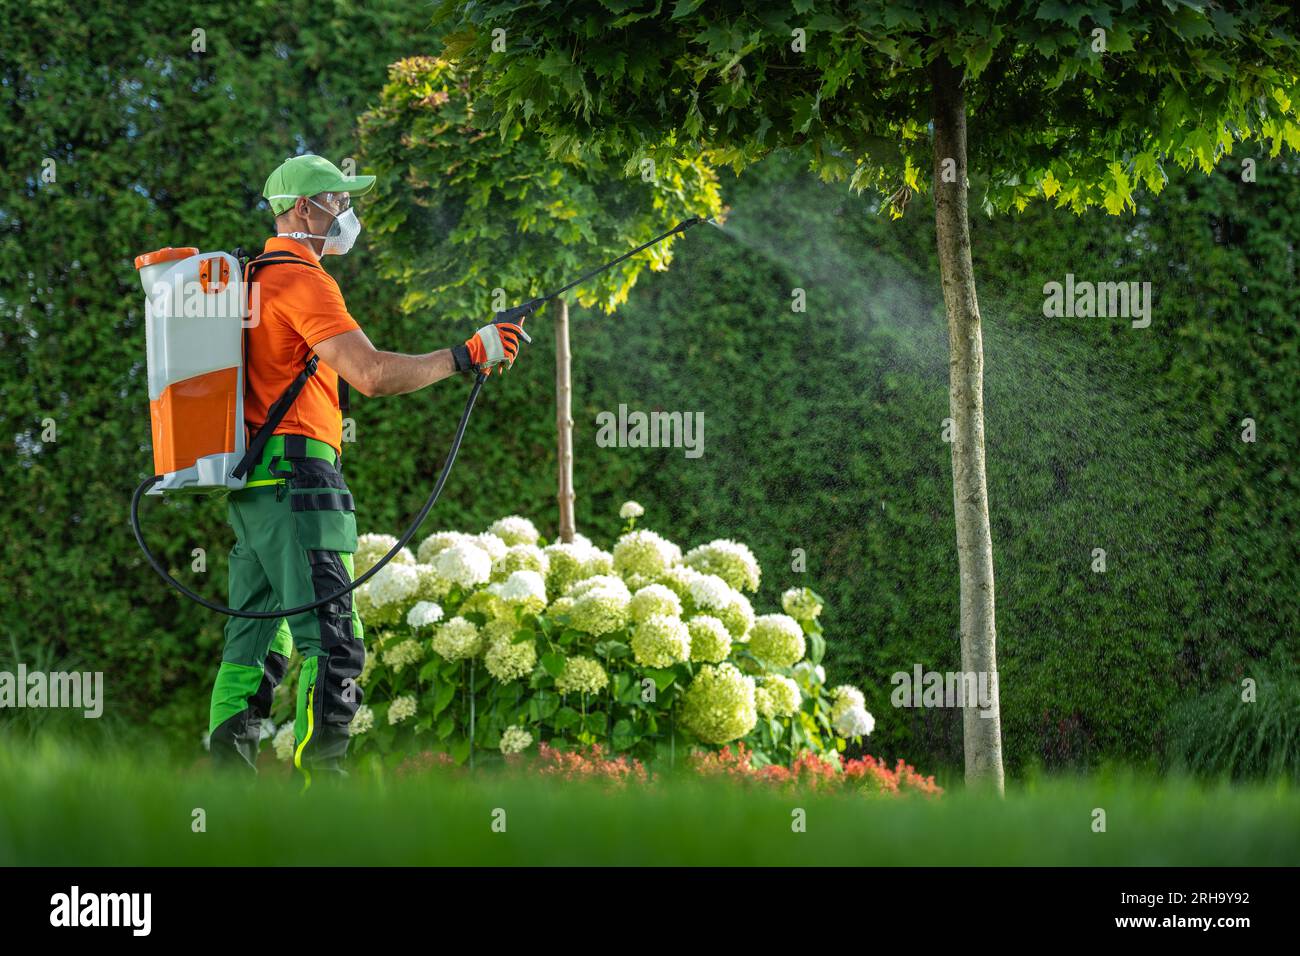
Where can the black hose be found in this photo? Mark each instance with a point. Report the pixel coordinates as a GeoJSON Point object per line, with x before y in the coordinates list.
{"type": "Point", "coordinates": [290, 612]}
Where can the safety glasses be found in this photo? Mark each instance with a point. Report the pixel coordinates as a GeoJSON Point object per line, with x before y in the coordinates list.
{"type": "Point", "coordinates": [341, 201]}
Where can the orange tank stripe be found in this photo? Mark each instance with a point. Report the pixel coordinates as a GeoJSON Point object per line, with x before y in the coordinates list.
{"type": "Point", "coordinates": [194, 418]}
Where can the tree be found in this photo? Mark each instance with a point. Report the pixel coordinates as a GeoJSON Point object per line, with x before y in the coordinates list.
{"type": "Point", "coordinates": [470, 222]}
{"type": "Point", "coordinates": [1080, 103]}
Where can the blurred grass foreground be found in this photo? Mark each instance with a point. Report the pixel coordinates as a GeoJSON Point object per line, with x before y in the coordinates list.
{"type": "Point", "coordinates": [62, 806]}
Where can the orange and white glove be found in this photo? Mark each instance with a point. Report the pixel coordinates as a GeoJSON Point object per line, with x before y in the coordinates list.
{"type": "Point", "coordinates": [496, 343]}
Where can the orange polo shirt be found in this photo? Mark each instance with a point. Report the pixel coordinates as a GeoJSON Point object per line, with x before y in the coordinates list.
{"type": "Point", "coordinates": [300, 307]}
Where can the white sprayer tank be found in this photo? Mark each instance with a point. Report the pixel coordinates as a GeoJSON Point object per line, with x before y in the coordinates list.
{"type": "Point", "coordinates": [194, 326]}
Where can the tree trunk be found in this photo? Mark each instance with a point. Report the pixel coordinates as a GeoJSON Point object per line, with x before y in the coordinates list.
{"type": "Point", "coordinates": [564, 420]}
{"type": "Point", "coordinates": [982, 736]}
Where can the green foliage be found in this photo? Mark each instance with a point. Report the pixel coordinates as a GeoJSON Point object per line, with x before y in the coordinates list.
{"type": "Point", "coordinates": [473, 219]}
{"type": "Point", "coordinates": [1080, 102]}
{"type": "Point", "coordinates": [1221, 733]}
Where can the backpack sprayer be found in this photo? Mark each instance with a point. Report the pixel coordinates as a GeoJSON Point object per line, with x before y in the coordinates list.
{"type": "Point", "coordinates": [195, 354]}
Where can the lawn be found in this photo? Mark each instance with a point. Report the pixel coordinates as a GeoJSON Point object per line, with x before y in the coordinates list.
{"type": "Point", "coordinates": [62, 806]}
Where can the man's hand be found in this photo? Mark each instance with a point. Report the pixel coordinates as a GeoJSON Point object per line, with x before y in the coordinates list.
{"type": "Point", "coordinates": [496, 343]}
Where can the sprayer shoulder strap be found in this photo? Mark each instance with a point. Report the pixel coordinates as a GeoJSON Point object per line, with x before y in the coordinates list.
{"type": "Point", "coordinates": [280, 407]}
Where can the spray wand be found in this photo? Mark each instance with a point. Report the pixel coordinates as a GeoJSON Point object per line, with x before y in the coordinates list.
{"type": "Point", "coordinates": [519, 313]}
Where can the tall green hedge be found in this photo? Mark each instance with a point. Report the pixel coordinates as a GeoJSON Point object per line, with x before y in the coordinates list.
{"type": "Point", "coordinates": [154, 143]}
{"type": "Point", "coordinates": [823, 429]}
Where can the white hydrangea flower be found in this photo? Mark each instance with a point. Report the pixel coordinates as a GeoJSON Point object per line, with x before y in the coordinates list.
{"type": "Point", "coordinates": [738, 616]}
{"type": "Point", "coordinates": [394, 584]}
{"type": "Point", "coordinates": [679, 578]}
{"type": "Point", "coordinates": [801, 604]}
{"type": "Point", "coordinates": [599, 562]}
{"type": "Point", "coordinates": [490, 543]}
{"type": "Point", "coordinates": [284, 742]}
{"type": "Point", "coordinates": [402, 708]}
{"type": "Point", "coordinates": [853, 722]}
{"type": "Point", "coordinates": [719, 704]}
{"type": "Point", "coordinates": [526, 589]}
{"type": "Point", "coordinates": [515, 739]}
{"type": "Point", "coordinates": [730, 560]}
{"type": "Point", "coordinates": [849, 715]}
{"type": "Point", "coordinates": [363, 720]}
{"type": "Point", "coordinates": [646, 553]}
{"type": "Point", "coordinates": [710, 592]}
{"type": "Point", "coordinates": [776, 640]}
{"type": "Point", "coordinates": [458, 640]}
{"type": "Point", "coordinates": [564, 564]}
{"type": "Point", "coordinates": [605, 581]}
{"type": "Point", "coordinates": [464, 564]}
{"type": "Point", "coordinates": [651, 600]}
{"type": "Point", "coordinates": [399, 655]}
{"type": "Point", "coordinates": [630, 509]}
{"type": "Point", "coordinates": [847, 692]}
{"type": "Point", "coordinates": [520, 557]}
{"type": "Point", "coordinates": [635, 582]}
{"type": "Point", "coordinates": [424, 614]}
{"type": "Point", "coordinates": [710, 640]}
{"type": "Point", "coordinates": [661, 641]}
{"type": "Point", "coordinates": [438, 542]}
{"type": "Point", "coordinates": [486, 603]}
{"type": "Point", "coordinates": [372, 547]}
{"type": "Point", "coordinates": [431, 586]}
{"type": "Point", "coordinates": [507, 661]}
{"type": "Point", "coordinates": [600, 610]}
{"type": "Point", "coordinates": [583, 675]}
{"type": "Point", "coordinates": [514, 530]}
{"type": "Point", "coordinates": [783, 694]}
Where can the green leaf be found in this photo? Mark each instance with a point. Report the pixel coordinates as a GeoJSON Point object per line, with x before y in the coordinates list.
{"type": "Point", "coordinates": [624, 735]}
{"type": "Point", "coordinates": [443, 695]}
{"type": "Point", "coordinates": [554, 663]}
{"type": "Point", "coordinates": [977, 58]}
{"type": "Point", "coordinates": [566, 718]}
{"type": "Point", "coordinates": [816, 648]}
{"type": "Point", "coordinates": [662, 677]}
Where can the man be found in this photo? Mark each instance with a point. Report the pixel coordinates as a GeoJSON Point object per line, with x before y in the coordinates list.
{"type": "Point", "coordinates": [294, 523]}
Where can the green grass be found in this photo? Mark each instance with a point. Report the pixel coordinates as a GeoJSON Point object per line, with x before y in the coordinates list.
{"type": "Point", "coordinates": [60, 806]}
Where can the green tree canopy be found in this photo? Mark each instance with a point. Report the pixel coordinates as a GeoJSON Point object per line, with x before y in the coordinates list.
{"type": "Point", "coordinates": [465, 207]}
{"type": "Point", "coordinates": [1080, 102]}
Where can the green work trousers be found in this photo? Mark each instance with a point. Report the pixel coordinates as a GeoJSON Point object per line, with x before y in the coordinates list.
{"type": "Point", "coordinates": [294, 544]}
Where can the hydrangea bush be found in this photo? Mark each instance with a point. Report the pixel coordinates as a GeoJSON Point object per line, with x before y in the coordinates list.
{"type": "Point", "coordinates": [498, 643]}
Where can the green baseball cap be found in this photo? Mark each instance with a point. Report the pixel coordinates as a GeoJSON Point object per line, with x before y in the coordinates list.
{"type": "Point", "coordinates": [308, 175]}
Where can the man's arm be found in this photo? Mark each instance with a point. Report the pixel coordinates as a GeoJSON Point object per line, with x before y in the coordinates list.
{"type": "Point", "coordinates": [373, 372]}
